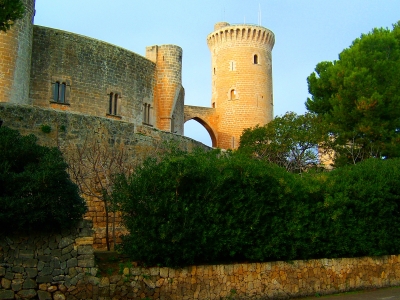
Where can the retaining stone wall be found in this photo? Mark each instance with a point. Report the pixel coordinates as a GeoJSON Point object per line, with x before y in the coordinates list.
{"type": "Point", "coordinates": [61, 267]}
{"type": "Point", "coordinates": [43, 266]}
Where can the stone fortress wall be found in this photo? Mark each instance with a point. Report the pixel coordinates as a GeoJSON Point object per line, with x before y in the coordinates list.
{"type": "Point", "coordinates": [92, 70]}
{"type": "Point", "coordinates": [65, 71]}
{"type": "Point", "coordinates": [80, 74]}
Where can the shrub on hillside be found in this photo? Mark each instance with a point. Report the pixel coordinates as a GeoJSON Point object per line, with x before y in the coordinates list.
{"type": "Point", "coordinates": [36, 192]}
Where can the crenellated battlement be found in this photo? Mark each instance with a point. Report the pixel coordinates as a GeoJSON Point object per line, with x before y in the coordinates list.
{"type": "Point", "coordinates": [226, 33]}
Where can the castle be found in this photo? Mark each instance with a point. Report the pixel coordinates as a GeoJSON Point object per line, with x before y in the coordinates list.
{"type": "Point", "coordinates": [50, 68]}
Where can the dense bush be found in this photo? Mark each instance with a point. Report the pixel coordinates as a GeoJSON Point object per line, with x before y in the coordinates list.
{"type": "Point", "coordinates": [207, 206]}
{"type": "Point", "coordinates": [35, 189]}
{"type": "Point", "coordinates": [210, 207]}
{"type": "Point", "coordinates": [360, 214]}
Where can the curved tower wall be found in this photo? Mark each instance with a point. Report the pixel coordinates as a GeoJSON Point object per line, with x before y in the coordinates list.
{"type": "Point", "coordinates": [15, 58]}
{"type": "Point", "coordinates": [168, 87]}
{"type": "Point", "coordinates": [241, 67]}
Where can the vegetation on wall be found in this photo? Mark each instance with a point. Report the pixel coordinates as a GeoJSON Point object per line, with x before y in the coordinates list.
{"type": "Point", "coordinates": [10, 11]}
{"type": "Point", "coordinates": [35, 190]}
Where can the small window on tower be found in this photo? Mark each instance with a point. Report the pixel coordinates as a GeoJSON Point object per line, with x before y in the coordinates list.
{"type": "Point", "coordinates": [232, 65]}
{"type": "Point", "coordinates": [255, 59]}
{"type": "Point", "coordinates": [233, 95]}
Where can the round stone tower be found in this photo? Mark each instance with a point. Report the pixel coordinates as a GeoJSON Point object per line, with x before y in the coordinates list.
{"type": "Point", "coordinates": [15, 58]}
{"type": "Point", "coordinates": [241, 66]}
{"type": "Point", "coordinates": [168, 59]}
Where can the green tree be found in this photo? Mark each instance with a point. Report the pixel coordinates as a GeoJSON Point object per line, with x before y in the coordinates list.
{"type": "Point", "coordinates": [36, 192]}
{"type": "Point", "coordinates": [290, 141]}
{"type": "Point", "coordinates": [10, 11]}
{"type": "Point", "coordinates": [358, 97]}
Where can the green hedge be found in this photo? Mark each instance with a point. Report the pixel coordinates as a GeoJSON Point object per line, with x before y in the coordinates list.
{"type": "Point", "coordinates": [36, 192]}
{"type": "Point", "coordinates": [204, 207]}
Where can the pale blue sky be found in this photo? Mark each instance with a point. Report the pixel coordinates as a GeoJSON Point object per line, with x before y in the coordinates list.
{"type": "Point", "coordinates": [306, 32]}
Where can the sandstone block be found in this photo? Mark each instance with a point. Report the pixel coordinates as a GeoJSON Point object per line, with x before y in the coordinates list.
{"type": "Point", "coordinates": [6, 294]}
{"type": "Point", "coordinates": [44, 279]}
{"type": "Point", "coordinates": [27, 294]}
{"type": "Point", "coordinates": [43, 295]}
{"type": "Point", "coordinates": [73, 262]}
{"type": "Point", "coordinates": [31, 272]}
{"type": "Point", "coordinates": [58, 296]}
{"type": "Point", "coordinates": [66, 241]}
{"type": "Point", "coordinates": [5, 283]}
{"type": "Point", "coordinates": [29, 284]}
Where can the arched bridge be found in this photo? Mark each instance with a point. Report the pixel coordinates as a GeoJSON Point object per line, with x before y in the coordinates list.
{"type": "Point", "coordinates": [207, 117]}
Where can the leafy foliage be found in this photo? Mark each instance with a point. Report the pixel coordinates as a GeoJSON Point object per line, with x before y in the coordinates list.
{"type": "Point", "coordinates": [289, 141]}
{"type": "Point", "coordinates": [35, 189]}
{"type": "Point", "coordinates": [204, 207]}
{"type": "Point", "coordinates": [200, 207]}
{"type": "Point", "coordinates": [360, 214]}
{"type": "Point", "coordinates": [10, 11]}
{"type": "Point", "coordinates": [358, 97]}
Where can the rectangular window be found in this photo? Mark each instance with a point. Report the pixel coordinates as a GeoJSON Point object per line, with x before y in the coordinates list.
{"type": "Point", "coordinates": [114, 104]}
{"type": "Point", "coordinates": [60, 90]}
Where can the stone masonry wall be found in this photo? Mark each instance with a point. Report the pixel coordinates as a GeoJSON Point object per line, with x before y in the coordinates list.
{"type": "Point", "coordinates": [61, 266]}
{"type": "Point", "coordinates": [270, 280]}
{"type": "Point", "coordinates": [71, 129]}
{"type": "Point", "coordinates": [46, 266]}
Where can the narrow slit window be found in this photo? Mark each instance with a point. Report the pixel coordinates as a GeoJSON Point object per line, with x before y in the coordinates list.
{"type": "Point", "coordinates": [62, 93]}
{"type": "Point", "coordinates": [148, 113]}
{"type": "Point", "coordinates": [56, 91]}
{"type": "Point", "coordinates": [110, 103]}
{"type": "Point", "coordinates": [255, 59]}
{"type": "Point", "coordinates": [115, 112]}
{"type": "Point", "coordinates": [233, 94]}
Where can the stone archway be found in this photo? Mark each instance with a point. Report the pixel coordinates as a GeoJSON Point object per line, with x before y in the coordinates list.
{"type": "Point", "coordinates": [206, 117]}
{"type": "Point", "coordinates": [207, 128]}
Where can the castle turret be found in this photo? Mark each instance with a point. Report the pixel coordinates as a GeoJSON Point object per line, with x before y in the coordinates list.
{"type": "Point", "coordinates": [168, 94]}
{"type": "Point", "coordinates": [15, 58]}
{"type": "Point", "coordinates": [241, 66]}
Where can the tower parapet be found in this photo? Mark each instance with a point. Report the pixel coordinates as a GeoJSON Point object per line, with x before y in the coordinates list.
{"type": "Point", "coordinates": [15, 58]}
{"type": "Point", "coordinates": [225, 35]}
{"type": "Point", "coordinates": [241, 70]}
